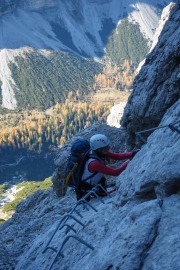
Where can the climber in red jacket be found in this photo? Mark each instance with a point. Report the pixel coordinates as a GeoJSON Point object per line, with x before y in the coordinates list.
{"type": "Point", "coordinates": [96, 168]}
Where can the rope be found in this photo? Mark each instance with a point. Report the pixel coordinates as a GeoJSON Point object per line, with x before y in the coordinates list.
{"type": "Point", "coordinates": [142, 139]}
{"type": "Point", "coordinates": [144, 131]}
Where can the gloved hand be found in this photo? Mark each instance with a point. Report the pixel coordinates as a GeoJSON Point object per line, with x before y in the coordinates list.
{"type": "Point", "coordinates": [134, 152]}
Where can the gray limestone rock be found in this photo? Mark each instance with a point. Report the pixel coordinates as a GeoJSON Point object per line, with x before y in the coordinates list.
{"type": "Point", "coordinates": [37, 4]}
{"type": "Point", "coordinates": [7, 6]}
{"type": "Point", "coordinates": [156, 170]}
{"type": "Point", "coordinates": [138, 226]}
{"type": "Point", "coordinates": [157, 86]}
{"type": "Point", "coordinates": [163, 254]}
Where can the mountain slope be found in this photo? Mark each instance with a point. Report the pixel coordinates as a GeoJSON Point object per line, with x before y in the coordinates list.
{"type": "Point", "coordinates": [31, 24]}
{"type": "Point", "coordinates": [42, 81]}
{"type": "Point", "coordinates": [137, 228]}
{"type": "Point", "coordinates": [127, 43]}
{"type": "Point", "coordinates": [81, 27]}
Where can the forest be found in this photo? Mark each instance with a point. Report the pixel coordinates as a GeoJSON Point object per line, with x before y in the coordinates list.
{"type": "Point", "coordinates": [58, 93]}
{"type": "Point", "coordinates": [39, 131]}
{"type": "Point", "coordinates": [43, 80]}
{"type": "Point", "coordinates": [127, 43]}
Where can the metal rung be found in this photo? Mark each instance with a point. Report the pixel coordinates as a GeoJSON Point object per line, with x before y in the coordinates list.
{"type": "Point", "coordinates": [46, 247]}
{"type": "Point", "coordinates": [69, 226]}
{"type": "Point", "coordinates": [173, 128]}
{"type": "Point", "coordinates": [74, 209]}
{"type": "Point", "coordinates": [52, 248]}
{"type": "Point", "coordinates": [69, 215]}
{"type": "Point", "coordinates": [93, 191]}
{"type": "Point", "coordinates": [77, 212]}
{"type": "Point", "coordinates": [65, 217]}
{"type": "Point", "coordinates": [86, 202]}
{"type": "Point", "coordinates": [64, 242]}
{"type": "Point", "coordinates": [99, 185]}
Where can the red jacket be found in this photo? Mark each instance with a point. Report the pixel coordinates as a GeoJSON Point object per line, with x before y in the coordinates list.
{"type": "Point", "coordinates": [97, 166]}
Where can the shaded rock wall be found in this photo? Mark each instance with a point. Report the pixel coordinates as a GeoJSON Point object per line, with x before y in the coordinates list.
{"type": "Point", "coordinates": [157, 164]}
{"type": "Point", "coordinates": [136, 228]}
{"type": "Point", "coordinates": [37, 4]}
{"type": "Point", "coordinates": [7, 6]}
{"type": "Point", "coordinates": [157, 86]}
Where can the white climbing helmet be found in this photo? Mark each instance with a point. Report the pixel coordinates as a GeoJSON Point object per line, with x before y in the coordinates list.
{"type": "Point", "coordinates": [98, 141]}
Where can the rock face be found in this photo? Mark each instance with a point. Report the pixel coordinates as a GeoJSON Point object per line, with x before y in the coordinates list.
{"type": "Point", "coordinates": [7, 6]}
{"type": "Point", "coordinates": [115, 115]}
{"type": "Point", "coordinates": [156, 87]}
{"type": "Point", "coordinates": [158, 174]}
{"type": "Point", "coordinates": [37, 4]}
{"type": "Point", "coordinates": [136, 228]}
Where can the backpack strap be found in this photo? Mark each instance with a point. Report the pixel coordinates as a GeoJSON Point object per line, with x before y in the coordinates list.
{"type": "Point", "coordinates": [95, 158]}
{"type": "Point", "coordinates": [89, 177]}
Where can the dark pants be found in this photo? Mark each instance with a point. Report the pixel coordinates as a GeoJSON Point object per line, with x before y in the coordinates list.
{"type": "Point", "coordinates": [84, 187]}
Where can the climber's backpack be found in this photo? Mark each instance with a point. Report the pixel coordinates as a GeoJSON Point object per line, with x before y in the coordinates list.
{"type": "Point", "coordinates": [76, 163]}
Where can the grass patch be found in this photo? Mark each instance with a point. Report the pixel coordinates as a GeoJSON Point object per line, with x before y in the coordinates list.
{"type": "Point", "coordinates": [28, 188]}
{"type": "Point", "coordinates": [1, 220]}
{"type": "Point", "coordinates": [3, 189]}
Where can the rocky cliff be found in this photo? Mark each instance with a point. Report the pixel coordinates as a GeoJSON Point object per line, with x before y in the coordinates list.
{"type": "Point", "coordinates": [7, 6]}
{"type": "Point", "coordinates": [157, 86]}
{"type": "Point", "coordinates": [136, 228]}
